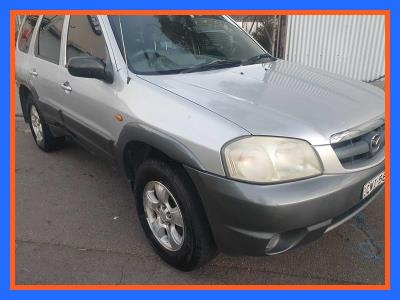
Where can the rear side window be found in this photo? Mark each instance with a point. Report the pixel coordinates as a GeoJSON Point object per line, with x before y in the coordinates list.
{"type": "Point", "coordinates": [49, 38]}
{"type": "Point", "coordinates": [85, 38]}
{"type": "Point", "coordinates": [26, 33]}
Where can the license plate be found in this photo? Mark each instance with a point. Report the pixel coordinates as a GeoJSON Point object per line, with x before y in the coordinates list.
{"type": "Point", "coordinates": [373, 184]}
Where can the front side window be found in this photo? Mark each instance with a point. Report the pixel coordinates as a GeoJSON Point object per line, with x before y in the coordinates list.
{"type": "Point", "coordinates": [26, 33]}
{"type": "Point", "coordinates": [85, 38]}
{"type": "Point", "coordinates": [49, 38]}
{"type": "Point", "coordinates": [171, 44]}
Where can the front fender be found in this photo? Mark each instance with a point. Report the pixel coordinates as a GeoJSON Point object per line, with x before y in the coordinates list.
{"type": "Point", "coordinates": [136, 132]}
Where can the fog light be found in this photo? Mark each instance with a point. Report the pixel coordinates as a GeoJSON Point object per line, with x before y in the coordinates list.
{"type": "Point", "coordinates": [272, 242]}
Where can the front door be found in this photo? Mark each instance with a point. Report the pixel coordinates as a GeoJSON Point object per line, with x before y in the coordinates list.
{"type": "Point", "coordinates": [89, 105]}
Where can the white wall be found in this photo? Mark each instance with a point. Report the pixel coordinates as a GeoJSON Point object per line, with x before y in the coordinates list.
{"type": "Point", "coordinates": [352, 46]}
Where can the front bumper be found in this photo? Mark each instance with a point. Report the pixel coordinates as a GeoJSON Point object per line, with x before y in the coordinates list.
{"type": "Point", "coordinates": [245, 218]}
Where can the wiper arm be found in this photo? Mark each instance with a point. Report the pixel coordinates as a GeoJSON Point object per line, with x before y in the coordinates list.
{"type": "Point", "coordinates": [257, 58]}
{"type": "Point", "coordinates": [213, 65]}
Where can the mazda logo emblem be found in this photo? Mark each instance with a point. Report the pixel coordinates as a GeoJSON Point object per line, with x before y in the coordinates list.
{"type": "Point", "coordinates": [376, 143]}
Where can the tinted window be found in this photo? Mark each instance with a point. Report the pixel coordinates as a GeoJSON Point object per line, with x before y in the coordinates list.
{"type": "Point", "coordinates": [85, 38]}
{"type": "Point", "coordinates": [26, 33]}
{"type": "Point", "coordinates": [49, 38]}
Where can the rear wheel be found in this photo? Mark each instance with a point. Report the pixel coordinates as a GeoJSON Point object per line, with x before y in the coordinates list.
{"type": "Point", "coordinates": [41, 132]}
{"type": "Point", "coordinates": [171, 215]}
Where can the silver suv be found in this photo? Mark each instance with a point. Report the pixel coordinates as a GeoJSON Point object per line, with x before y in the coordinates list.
{"type": "Point", "coordinates": [227, 148]}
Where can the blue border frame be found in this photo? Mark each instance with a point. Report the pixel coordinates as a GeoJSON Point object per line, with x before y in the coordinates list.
{"type": "Point", "coordinates": [7, 5]}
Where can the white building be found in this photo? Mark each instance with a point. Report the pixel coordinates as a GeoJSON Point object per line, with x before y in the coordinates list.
{"type": "Point", "coordinates": [349, 45]}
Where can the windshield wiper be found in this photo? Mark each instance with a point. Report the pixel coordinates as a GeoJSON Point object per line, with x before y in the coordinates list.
{"type": "Point", "coordinates": [219, 63]}
{"type": "Point", "coordinates": [257, 58]}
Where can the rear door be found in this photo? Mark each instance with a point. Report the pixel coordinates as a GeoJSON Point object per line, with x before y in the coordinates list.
{"type": "Point", "coordinates": [44, 69]}
{"type": "Point", "coordinates": [22, 55]}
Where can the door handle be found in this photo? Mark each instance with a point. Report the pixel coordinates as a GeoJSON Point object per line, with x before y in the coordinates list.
{"type": "Point", "coordinates": [34, 73]}
{"type": "Point", "coordinates": [66, 87]}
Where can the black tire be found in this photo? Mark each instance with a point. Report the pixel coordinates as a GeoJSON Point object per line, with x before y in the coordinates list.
{"type": "Point", "coordinates": [198, 246]}
{"type": "Point", "coordinates": [48, 142]}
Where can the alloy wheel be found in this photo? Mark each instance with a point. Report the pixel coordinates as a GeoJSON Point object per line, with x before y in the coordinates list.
{"type": "Point", "coordinates": [36, 124]}
{"type": "Point", "coordinates": [163, 215]}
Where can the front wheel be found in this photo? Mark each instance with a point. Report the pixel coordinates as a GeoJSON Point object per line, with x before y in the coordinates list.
{"type": "Point", "coordinates": [172, 216]}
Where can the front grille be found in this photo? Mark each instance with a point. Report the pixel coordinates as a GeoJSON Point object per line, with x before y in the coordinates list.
{"type": "Point", "coordinates": [354, 152]}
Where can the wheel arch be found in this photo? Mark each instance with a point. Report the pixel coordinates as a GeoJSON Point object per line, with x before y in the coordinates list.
{"type": "Point", "coordinates": [24, 91]}
{"type": "Point", "coordinates": [138, 142]}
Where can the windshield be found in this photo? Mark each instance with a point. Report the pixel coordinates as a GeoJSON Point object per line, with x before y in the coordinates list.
{"type": "Point", "coordinates": [173, 44]}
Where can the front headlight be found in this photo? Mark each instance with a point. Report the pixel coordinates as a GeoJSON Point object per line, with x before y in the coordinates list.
{"type": "Point", "coordinates": [262, 159]}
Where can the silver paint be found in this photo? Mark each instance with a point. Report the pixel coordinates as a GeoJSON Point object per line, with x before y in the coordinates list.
{"type": "Point", "coordinates": [205, 110]}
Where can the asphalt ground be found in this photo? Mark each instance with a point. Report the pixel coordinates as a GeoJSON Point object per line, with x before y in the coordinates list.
{"type": "Point", "coordinates": [76, 224]}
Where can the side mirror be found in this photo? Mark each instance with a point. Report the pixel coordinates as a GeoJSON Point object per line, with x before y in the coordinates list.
{"type": "Point", "coordinates": [90, 67]}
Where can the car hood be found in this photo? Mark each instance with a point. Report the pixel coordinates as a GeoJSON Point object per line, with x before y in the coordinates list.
{"type": "Point", "coordinates": [280, 99]}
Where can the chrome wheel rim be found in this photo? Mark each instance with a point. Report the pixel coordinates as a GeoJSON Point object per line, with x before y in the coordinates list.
{"type": "Point", "coordinates": [163, 215]}
{"type": "Point", "coordinates": [36, 124]}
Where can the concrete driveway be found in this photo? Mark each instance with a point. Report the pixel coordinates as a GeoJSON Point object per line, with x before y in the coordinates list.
{"type": "Point", "coordinates": [76, 224]}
